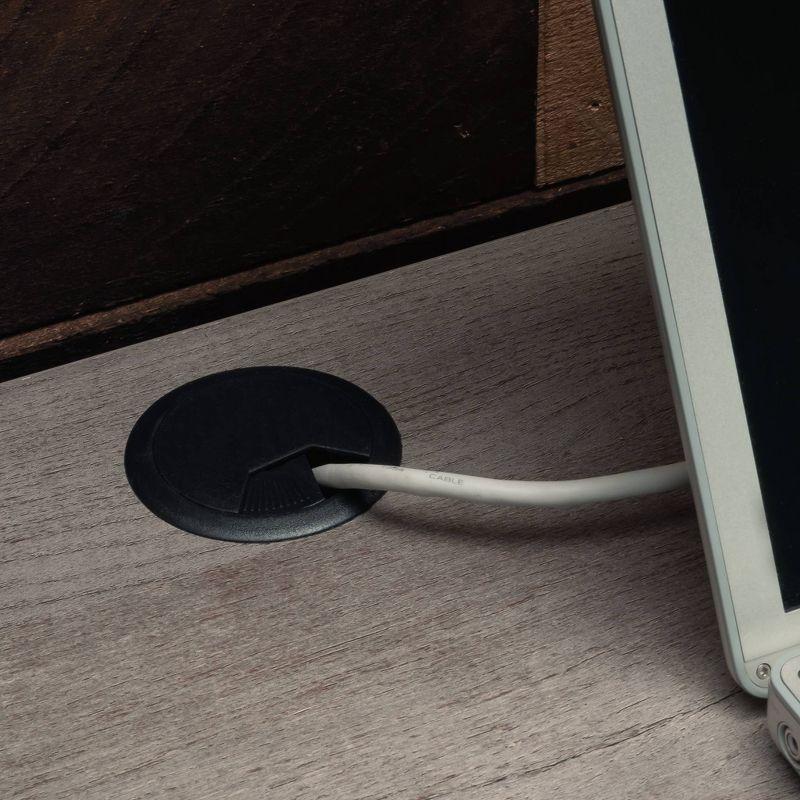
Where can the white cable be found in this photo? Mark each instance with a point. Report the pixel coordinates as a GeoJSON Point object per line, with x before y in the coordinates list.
{"type": "Point", "coordinates": [507, 493]}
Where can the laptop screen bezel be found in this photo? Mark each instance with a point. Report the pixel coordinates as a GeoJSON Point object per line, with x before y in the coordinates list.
{"type": "Point", "coordinates": [665, 181]}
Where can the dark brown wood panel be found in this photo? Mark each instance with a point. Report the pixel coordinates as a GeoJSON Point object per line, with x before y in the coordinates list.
{"type": "Point", "coordinates": [99, 331]}
{"type": "Point", "coordinates": [576, 130]}
{"type": "Point", "coordinates": [150, 145]}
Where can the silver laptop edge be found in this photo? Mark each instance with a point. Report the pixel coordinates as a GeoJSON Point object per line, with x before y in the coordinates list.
{"type": "Point", "coordinates": [756, 630]}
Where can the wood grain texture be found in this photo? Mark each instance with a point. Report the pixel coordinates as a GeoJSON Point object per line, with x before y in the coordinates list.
{"type": "Point", "coordinates": [101, 331]}
{"type": "Point", "coordinates": [576, 130]}
{"type": "Point", "coordinates": [425, 650]}
{"type": "Point", "coordinates": [152, 145]}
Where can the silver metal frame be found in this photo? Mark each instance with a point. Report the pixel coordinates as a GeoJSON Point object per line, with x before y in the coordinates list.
{"type": "Point", "coordinates": [783, 708]}
{"type": "Point", "coordinates": [755, 628]}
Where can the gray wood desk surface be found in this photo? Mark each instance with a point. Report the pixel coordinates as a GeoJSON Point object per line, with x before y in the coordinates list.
{"type": "Point", "coordinates": [425, 650]}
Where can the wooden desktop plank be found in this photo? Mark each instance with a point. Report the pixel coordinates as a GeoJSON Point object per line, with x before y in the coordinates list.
{"type": "Point", "coordinates": [425, 650]}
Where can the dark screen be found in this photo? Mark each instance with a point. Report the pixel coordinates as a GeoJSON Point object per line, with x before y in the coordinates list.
{"type": "Point", "coordinates": [739, 69]}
